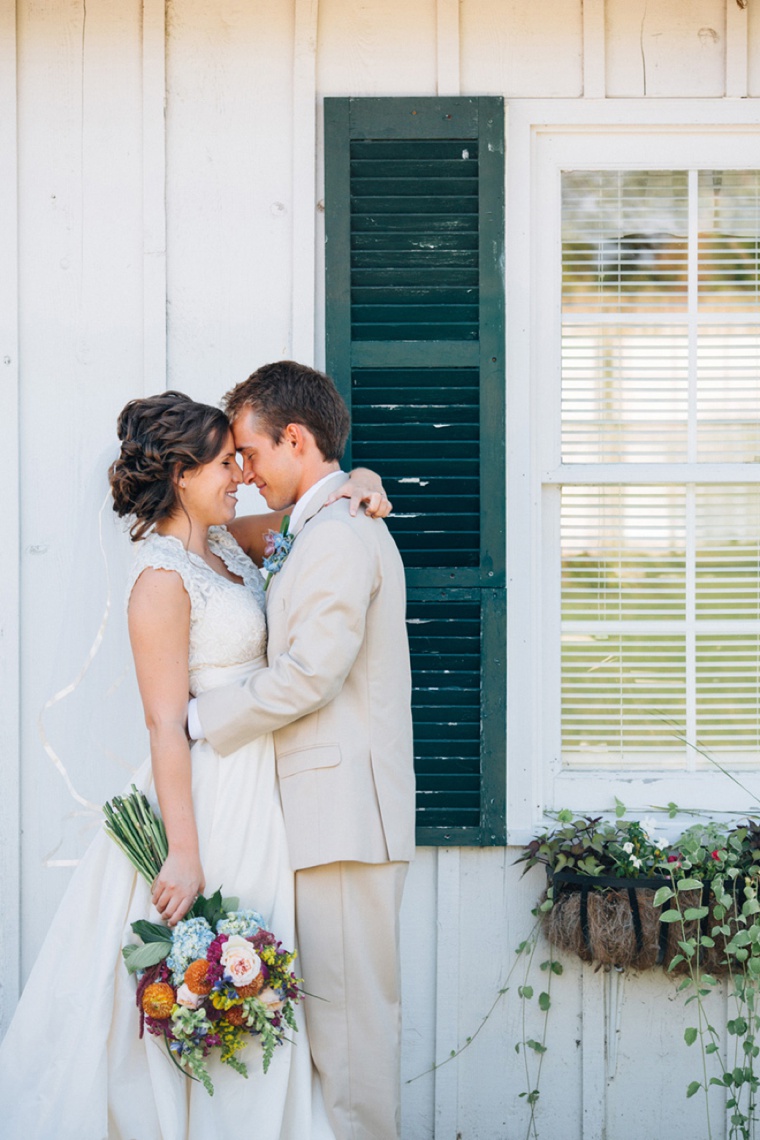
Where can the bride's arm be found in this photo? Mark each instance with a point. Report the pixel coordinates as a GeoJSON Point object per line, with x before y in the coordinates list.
{"type": "Point", "coordinates": [159, 629]}
{"type": "Point", "coordinates": [362, 486]}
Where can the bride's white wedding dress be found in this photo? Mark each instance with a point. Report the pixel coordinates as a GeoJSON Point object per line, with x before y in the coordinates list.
{"type": "Point", "coordinates": [72, 1066]}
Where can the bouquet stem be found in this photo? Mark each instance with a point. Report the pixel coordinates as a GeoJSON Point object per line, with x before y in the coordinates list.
{"type": "Point", "coordinates": [132, 823]}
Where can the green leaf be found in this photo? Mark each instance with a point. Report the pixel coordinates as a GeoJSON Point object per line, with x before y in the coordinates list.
{"type": "Point", "coordinates": [152, 931]}
{"type": "Point", "coordinates": [693, 1088]}
{"type": "Point", "coordinates": [689, 885]}
{"type": "Point", "coordinates": [619, 808]}
{"type": "Point", "coordinates": [557, 968]}
{"type": "Point", "coordinates": [670, 916]}
{"type": "Point", "coordinates": [662, 895]}
{"type": "Point", "coordinates": [143, 956]}
{"type": "Point", "coordinates": [536, 1046]}
{"type": "Point", "coordinates": [690, 1035]}
{"type": "Point", "coordinates": [694, 913]}
{"type": "Point", "coordinates": [525, 992]}
{"type": "Point", "coordinates": [544, 1002]}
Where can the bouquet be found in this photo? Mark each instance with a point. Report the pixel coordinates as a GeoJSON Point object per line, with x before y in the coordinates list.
{"type": "Point", "coordinates": [218, 978]}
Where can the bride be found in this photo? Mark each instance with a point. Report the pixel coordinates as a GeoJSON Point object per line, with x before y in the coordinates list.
{"type": "Point", "coordinates": [72, 1066]}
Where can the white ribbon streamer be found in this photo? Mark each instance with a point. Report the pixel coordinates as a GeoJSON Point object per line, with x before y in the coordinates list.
{"type": "Point", "coordinates": [71, 687]}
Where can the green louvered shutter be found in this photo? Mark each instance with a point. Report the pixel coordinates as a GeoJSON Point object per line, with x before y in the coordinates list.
{"type": "Point", "coordinates": [414, 200]}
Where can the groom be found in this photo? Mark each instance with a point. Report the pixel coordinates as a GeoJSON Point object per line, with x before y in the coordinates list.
{"type": "Point", "coordinates": [336, 695]}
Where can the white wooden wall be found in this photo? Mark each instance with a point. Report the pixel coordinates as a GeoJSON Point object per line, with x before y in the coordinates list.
{"type": "Point", "coordinates": [160, 223]}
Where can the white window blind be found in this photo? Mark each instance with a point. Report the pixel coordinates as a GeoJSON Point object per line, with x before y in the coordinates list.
{"type": "Point", "coordinates": [660, 373]}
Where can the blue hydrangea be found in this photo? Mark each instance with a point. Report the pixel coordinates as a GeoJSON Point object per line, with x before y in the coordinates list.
{"type": "Point", "coordinates": [191, 939]}
{"type": "Point", "coordinates": [246, 923]}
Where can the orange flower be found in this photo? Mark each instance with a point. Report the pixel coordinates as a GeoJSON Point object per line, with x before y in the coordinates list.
{"type": "Point", "coordinates": [234, 1015]}
{"type": "Point", "coordinates": [158, 1000]}
{"type": "Point", "coordinates": [253, 988]}
{"type": "Point", "coordinates": [195, 977]}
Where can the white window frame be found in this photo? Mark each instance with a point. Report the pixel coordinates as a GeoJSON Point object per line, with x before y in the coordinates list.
{"type": "Point", "coordinates": [545, 137]}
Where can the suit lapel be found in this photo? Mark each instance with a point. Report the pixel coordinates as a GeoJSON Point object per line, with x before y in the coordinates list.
{"type": "Point", "coordinates": [315, 506]}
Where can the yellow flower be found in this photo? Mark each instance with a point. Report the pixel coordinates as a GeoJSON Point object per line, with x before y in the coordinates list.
{"type": "Point", "coordinates": [158, 1000]}
{"type": "Point", "coordinates": [219, 1000]}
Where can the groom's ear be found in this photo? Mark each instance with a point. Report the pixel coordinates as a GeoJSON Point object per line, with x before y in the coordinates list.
{"type": "Point", "coordinates": [297, 437]}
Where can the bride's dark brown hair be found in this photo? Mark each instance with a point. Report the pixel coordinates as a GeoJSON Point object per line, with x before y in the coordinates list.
{"type": "Point", "coordinates": [161, 437]}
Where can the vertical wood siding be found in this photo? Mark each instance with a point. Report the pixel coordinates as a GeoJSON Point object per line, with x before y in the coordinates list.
{"type": "Point", "coordinates": [167, 225]}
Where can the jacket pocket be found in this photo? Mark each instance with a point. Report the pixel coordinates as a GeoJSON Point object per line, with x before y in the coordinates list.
{"type": "Point", "coordinates": [305, 759]}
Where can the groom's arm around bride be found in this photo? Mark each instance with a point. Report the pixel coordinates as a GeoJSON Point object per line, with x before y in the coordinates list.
{"type": "Point", "coordinates": [337, 697]}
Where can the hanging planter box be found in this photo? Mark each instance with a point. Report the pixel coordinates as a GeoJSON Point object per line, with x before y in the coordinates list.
{"type": "Point", "coordinates": [614, 921]}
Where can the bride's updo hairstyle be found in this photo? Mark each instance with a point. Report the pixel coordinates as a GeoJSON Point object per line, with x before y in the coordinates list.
{"type": "Point", "coordinates": [161, 437]}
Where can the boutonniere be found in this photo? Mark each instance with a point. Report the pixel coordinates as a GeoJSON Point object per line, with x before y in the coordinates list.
{"type": "Point", "coordinates": [277, 544]}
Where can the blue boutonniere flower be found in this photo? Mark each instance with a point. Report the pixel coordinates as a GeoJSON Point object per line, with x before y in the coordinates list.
{"type": "Point", "coordinates": [277, 546]}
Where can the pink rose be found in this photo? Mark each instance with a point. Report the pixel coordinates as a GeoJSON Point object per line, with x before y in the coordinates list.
{"type": "Point", "coordinates": [241, 962]}
{"type": "Point", "coordinates": [185, 996]}
{"type": "Point", "coordinates": [271, 998]}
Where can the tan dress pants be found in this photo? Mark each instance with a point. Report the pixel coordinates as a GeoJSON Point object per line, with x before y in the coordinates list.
{"type": "Point", "coordinates": [347, 917]}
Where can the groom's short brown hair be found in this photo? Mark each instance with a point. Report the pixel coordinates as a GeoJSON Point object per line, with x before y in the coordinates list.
{"type": "Point", "coordinates": [286, 393]}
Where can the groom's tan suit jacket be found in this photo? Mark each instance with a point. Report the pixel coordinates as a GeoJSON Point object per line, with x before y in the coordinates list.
{"type": "Point", "coordinates": [337, 692]}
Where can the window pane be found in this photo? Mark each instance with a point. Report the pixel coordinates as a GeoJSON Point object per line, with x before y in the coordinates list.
{"type": "Point", "coordinates": [625, 393]}
{"type": "Point", "coordinates": [623, 700]}
{"type": "Point", "coordinates": [623, 553]}
{"type": "Point", "coordinates": [661, 316]}
{"type": "Point", "coordinates": [728, 552]}
{"type": "Point", "coordinates": [660, 624]}
{"type": "Point", "coordinates": [624, 240]}
{"type": "Point", "coordinates": [729, 250]}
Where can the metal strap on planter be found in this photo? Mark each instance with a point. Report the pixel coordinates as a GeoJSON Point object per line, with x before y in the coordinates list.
{"type": "Point", "coordinates": [591, 882]}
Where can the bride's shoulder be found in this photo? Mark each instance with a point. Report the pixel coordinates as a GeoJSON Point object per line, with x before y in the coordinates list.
{"type": "Point", "coordinates": [161, 552]}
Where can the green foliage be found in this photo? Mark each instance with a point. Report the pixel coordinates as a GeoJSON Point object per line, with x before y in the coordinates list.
{"type": "Point", "coordinates": [142, 957]}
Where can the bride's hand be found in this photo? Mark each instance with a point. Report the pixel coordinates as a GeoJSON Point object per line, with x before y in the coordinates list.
{"type": "Point", "coordinates": [364, 486]}
{"type": "Point", "coordinates": [177, 886]}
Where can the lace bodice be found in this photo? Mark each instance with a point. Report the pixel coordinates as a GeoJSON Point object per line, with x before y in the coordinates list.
{"type": "Point", "coordinates": [227, 621]}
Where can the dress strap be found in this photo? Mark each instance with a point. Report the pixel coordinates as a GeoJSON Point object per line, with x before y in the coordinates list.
{"type": "Point", "coordinates": [165, 552]}
{"type": "Point", "coordinates": [236, 560]}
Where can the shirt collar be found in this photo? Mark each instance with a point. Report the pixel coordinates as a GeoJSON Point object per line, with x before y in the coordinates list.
{"type": "Point", "coordinates": [299, 510]}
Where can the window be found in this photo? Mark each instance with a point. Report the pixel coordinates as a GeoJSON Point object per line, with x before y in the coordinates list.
{"type": "Point", "coordinates": [644, 468]}
{"type": "Point", "coordinates": [414, 213]}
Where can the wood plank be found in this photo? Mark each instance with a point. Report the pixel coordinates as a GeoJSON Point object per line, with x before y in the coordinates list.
{"type": "Point", "coordinates": [304, 132]}
{"type": "Point", "coordinates": [338, 249]}
{"type": "Point", "coordinates": [522, 50]}
{"type": "Point", "coordinates": [411, 354]}
{"type": "Point", "coordinates": [10, 551]}
{"type": "Point", "coordinates": [594, 1058]}
{"type": "Point", "coordinates": [668, 49]}
{"type": "Point", "coordinates": [229, 190]}
{"type": "Point", "coordinates": [447, 47]}
{"type": "Point", "coordinates": [594, 53]}
{"type": "Point", "coordinates": [492, 336]}
{"type": "Point", "coordinates": [737, 51]}
{"type": "Point", "coordinates": [446, 984]}
{"type": "Point", "coordinates": [154, 194]}
{"type": "Point", "coordinates": [414, 118]}
{"type": "Point", "coordinates": [386, 48]}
